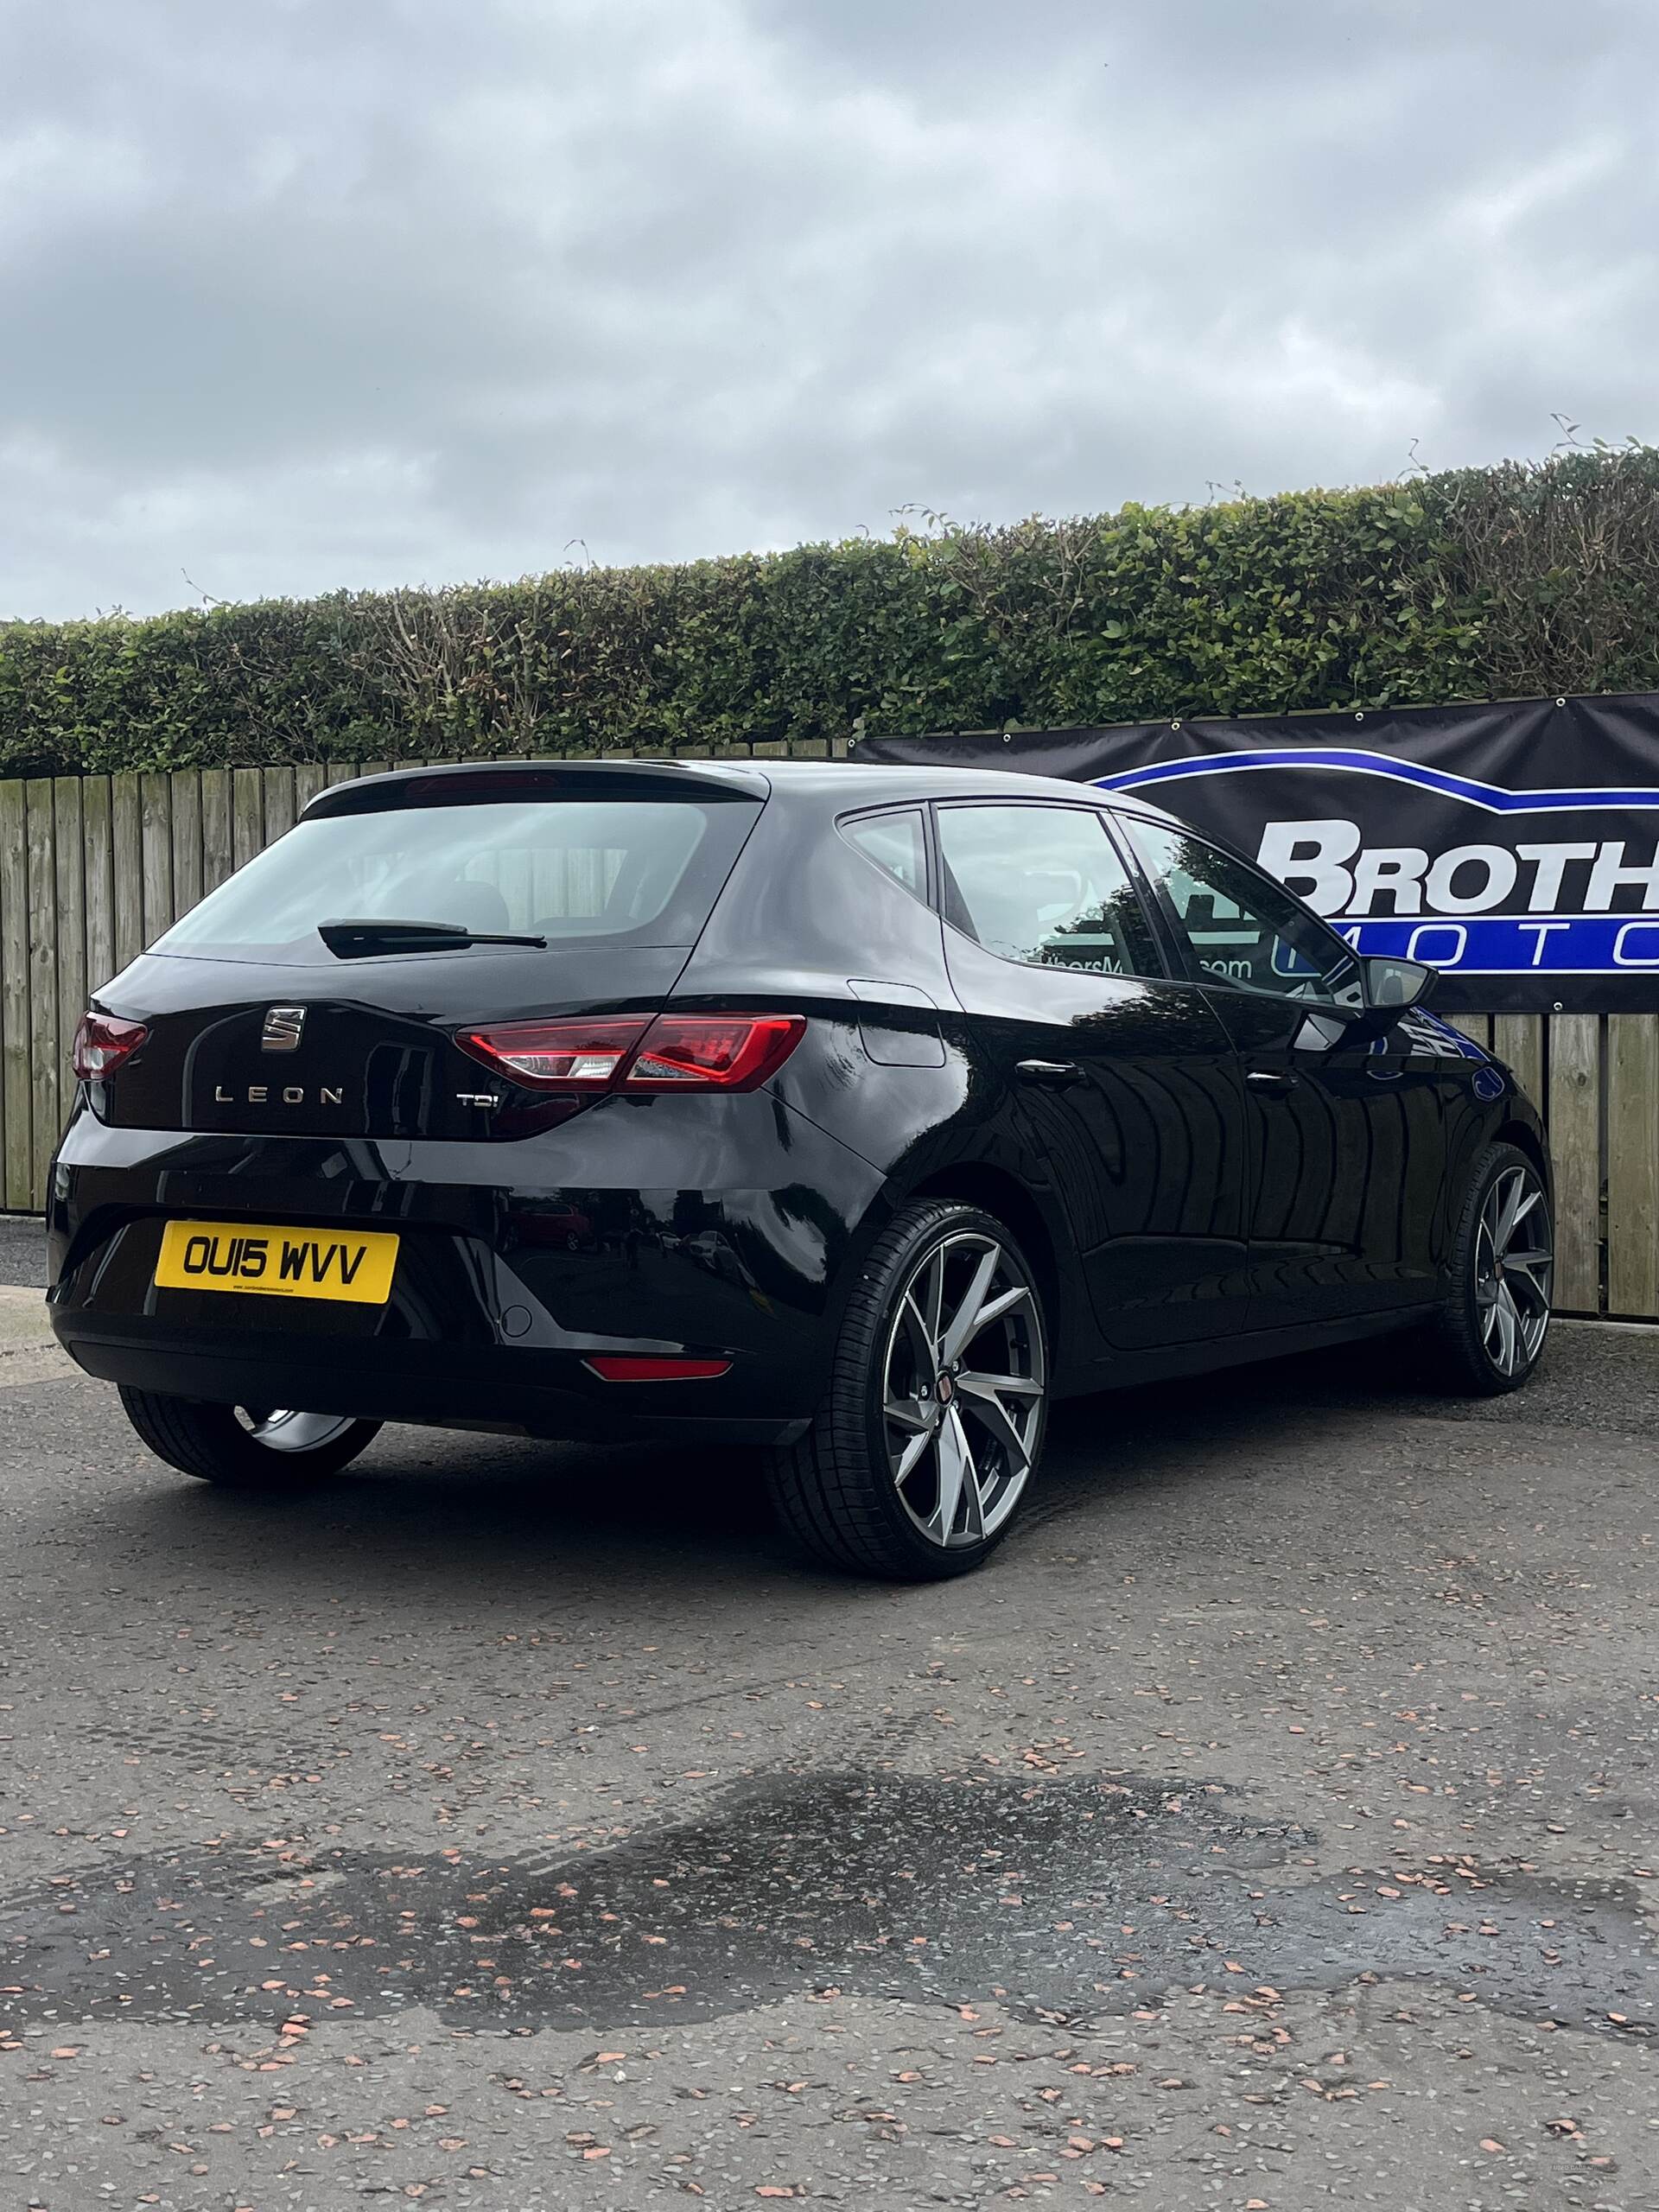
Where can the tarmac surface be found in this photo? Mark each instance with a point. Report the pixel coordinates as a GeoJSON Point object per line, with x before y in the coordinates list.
{"type": "Point", "coordinates": [1271, 1824]}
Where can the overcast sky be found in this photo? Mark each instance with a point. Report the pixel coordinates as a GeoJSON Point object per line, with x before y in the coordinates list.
{"type": "Point", "coordinates": [308, 293]}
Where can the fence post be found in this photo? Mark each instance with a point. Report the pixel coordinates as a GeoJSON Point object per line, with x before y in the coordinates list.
{"type": "Point", "coordinates": [127, 838]}
{"type": "Point", "coordinates": [1518, 1039]}
{"type": "Point", "coordinates": [1633, 1164]}
{"type": "Point", "coordinates": [69, 875]}
{"type": "Point", "coordinates": [1575, 1148]}
{"type": "Point", "coordinates": [247, 814]}
{"type": "Point", "coordinates": [218, 856]}
{"type": "Point", "coordinates": [96, 826]}
{"type": "Point", "coordinates": [15, 1084]}
{"type": "Point", "coordinates": [44, 1075]}
{"type": "Point", "coordinates": [155, 827]}
{"type": "Point", "coordinates": [187, 840]}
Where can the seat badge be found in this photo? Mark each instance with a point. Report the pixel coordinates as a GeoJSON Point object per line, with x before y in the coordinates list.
{"type": "Point", "coordinates": [284, 1025]}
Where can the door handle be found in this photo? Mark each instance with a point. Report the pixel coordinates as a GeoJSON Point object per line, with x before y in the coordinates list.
{"type": "Point", "coordinates": [1055, 1073]}
{"type": "Point", "coordinates": [1271, 1079]}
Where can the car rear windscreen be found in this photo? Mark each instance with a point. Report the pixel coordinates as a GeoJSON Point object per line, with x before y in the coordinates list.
{"type": "Point", "coordinates": [640, 871]}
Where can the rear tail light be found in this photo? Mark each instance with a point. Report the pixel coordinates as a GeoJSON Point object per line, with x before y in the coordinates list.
{"type": "Point", "coordinates": [727, 1051]}
{"type": "Point", "coordinates": [667, 1052]}
{"type": "Point", "coordinates": [557, 1055]}
{"type": "Point", "coordinates": [630, 1368]}
{"type": "Point", "coordinates": [102, 1042]}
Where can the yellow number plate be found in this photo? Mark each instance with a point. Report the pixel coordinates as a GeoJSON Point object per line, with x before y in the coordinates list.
{"type": "Point", "coordinates": [355, 1265]}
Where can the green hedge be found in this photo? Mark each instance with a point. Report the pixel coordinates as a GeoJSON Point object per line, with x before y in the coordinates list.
{"type": "Point", "coordinates": [1478, 583]}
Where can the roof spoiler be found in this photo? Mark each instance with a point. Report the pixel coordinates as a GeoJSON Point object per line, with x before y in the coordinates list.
{"type": "Point", "coordinates": [485, 783]}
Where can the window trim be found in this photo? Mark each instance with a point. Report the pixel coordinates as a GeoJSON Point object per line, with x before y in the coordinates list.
{"type": "Point", "coordinates": [1174, 928]}
{"type": "Point", "coordinates": [1166, 927]}
{"type": "Point", "coordinates": [945, 882]}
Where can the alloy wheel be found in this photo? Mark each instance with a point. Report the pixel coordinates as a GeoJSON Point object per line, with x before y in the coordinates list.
{"type": "Point", "coordinates": [1515, 1265]}
{"type": "Point", "coordinates": [287, 1431]}
{"type": "Point", "coordinates": [964, 1378]}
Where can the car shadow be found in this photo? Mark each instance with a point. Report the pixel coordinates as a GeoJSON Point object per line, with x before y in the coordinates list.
{"type": "Point", "coordinates": [427, 1510]}
{"type": "Point", "coordinates": [425, 1507]}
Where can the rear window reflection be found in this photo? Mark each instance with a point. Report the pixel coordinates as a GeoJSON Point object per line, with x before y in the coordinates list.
{"type": "Point", "coordinates": [572, 869]}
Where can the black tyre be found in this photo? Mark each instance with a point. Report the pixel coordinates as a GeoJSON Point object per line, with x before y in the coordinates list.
{"type": "Point", "coordinates": [930, 1432]}
{"type": "Point", "coordinates": [1489, 1337]}
{"type": "Point", "coordinates": [245, 1448]}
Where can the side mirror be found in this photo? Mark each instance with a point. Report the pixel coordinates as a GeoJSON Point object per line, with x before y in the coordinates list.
{"type": "Point", "coordinates": [1396, 983]}
{"type": "Point", "coordinates": [1389, 987]}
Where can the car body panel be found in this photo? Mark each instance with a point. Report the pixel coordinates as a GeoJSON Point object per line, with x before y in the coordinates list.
{"type": "Point", "coordinates": [1148, 1140]}
{"type": "Point", "coordinates": [1345, 1165]}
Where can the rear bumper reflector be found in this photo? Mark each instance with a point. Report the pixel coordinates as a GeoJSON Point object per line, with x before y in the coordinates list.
{"type": "Point", "coordinates": [628, 1368]}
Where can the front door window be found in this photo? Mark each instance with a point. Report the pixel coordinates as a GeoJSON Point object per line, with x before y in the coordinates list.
{"type": "Point", "coordinates": [1241, 928]}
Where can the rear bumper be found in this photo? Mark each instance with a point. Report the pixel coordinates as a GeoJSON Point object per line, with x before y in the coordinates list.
{"type": "Point", "coordinates": [532, 1393]}
{"type": "Point", "coordinates": [502, 1291]}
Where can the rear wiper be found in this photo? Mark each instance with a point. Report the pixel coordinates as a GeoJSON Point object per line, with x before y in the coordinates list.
{"type": "Point", "coordinates": [358, 940]}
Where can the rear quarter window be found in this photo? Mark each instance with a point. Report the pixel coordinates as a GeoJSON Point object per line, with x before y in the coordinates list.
{"type": "Point", "coordinates": [896, 842]}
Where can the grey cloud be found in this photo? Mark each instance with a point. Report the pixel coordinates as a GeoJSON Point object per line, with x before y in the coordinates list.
{"type": "Point", "coordinates": [302, 296]}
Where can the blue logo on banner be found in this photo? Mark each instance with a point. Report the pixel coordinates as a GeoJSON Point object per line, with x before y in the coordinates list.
{"type": "Point", "coordinates": [1493, 798]}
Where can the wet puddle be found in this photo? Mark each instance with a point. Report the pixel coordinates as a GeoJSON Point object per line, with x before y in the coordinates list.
{"type": "Point", "coordinates": [1069, 1900]}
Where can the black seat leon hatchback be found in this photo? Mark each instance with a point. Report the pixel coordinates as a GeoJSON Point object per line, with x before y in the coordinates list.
{"type": "Point", "coordinates": [853, 1113]}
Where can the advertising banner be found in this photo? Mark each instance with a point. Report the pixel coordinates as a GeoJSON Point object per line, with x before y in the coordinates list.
{"type": "Point", "coordinates": [1515, 846]}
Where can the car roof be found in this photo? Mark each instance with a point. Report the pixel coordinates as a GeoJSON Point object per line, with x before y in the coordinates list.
{"type": "Point", "coordinates": [862, 783]}
{"type": "Point", "coordinates": [837, 785]}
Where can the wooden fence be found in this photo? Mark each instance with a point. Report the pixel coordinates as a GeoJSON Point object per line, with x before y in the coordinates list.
{"type": "Point", "coordinates": [92, 868]}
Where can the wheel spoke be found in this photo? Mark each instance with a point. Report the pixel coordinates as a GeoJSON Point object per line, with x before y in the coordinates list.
{"type": "Point", "coordinates": [907, 1412]}
{"type": "Point", "coordinates": [987, 1386]}
{"type": "Point", "coordinates": [1522, 1211]}
{"type": "Point", "coordinates": [995, 1308]}
{"type": "Point", "coordinates": [953, 1473]}
{"type": "Point", "coordinates": [965, 1323]}
{"type": "Point", "coordinates": [1509, 1330]}
{"type": "Point", "coordinates": [988, 1409]}
{"type": "Point", "coordinates": [933, 1301]}
{"type": "Point", "coordinates": [911, 1457]}
{"type": "Point", "coordinates": [1506, 1196]}
{"type": "Point", "coordinates": [924, 1342]}
{"type": "Point", "coordinates": [973, 1496]}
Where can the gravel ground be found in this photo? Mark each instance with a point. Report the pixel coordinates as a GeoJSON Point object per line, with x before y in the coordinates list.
{"type": "Point", "coordinates": [22, 1251]}
{"type": "Point", "coordinates": [517, 1826]}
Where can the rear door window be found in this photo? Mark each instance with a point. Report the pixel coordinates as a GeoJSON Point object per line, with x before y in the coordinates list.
{"type": "Point", "coordinates": [1044, 885]}
{"type": "Point", "coordinates": [641, 871]}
